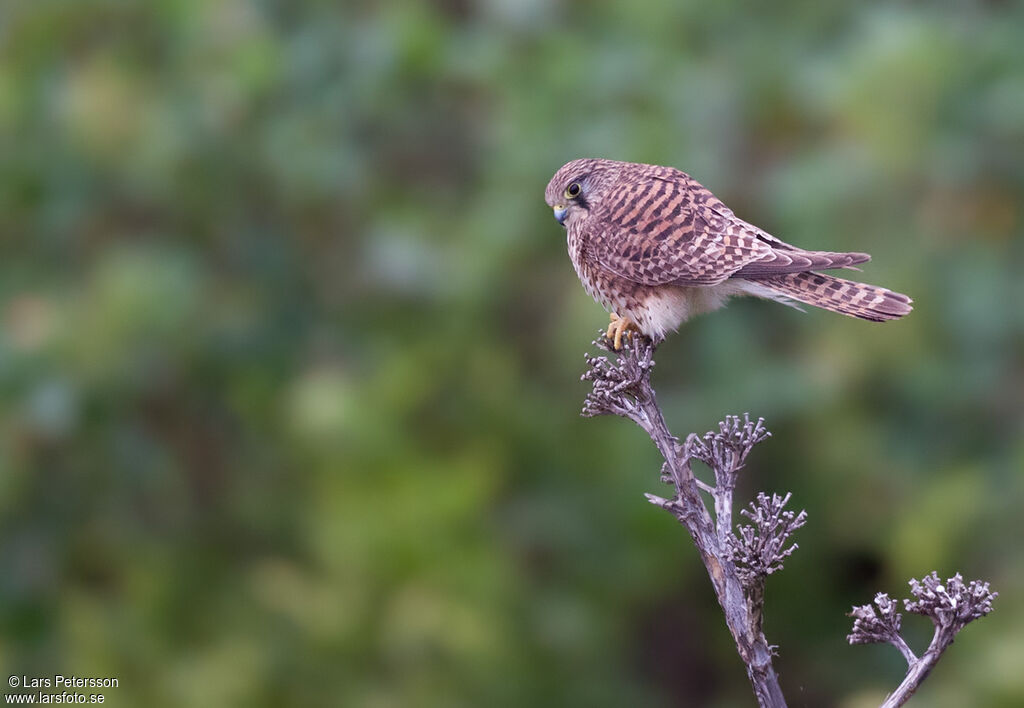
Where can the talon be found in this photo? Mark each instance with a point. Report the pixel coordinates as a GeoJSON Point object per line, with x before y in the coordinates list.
{"type": "Point", "coordinates": [610, 334]}
{"type": "Point", "coordinates": [618, 327]}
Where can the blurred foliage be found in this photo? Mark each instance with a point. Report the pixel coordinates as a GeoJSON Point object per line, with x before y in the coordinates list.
{"type": "Point", "coordinates": [290, 345]}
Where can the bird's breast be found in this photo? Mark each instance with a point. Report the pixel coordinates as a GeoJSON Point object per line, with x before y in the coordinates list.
{"type": "Point", "coordinates": [595, 279]}
{"type": "Point", "coordinates": [657, 310]}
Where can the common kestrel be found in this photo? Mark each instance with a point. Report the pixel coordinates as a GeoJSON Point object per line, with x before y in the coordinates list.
{"type": "Point", "coordinates": [655, 248]}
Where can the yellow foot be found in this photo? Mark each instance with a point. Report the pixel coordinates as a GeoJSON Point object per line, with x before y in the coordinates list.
{"type": "Point", "coordinates": [618, 327]}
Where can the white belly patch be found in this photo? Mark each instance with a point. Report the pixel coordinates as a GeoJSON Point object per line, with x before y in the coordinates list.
{"type": "Point", "coordinates": [670, 306]}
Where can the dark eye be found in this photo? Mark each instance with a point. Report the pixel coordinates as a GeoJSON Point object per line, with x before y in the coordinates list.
{"type": "Point", "coordinates": [573, 190]}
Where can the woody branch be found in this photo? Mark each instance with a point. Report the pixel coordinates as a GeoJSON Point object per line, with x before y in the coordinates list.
{"type": "Point", "coordinates": [737, 560]}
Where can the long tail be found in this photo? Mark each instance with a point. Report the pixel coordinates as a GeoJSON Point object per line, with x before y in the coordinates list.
{"type": "Point", "coordinates": [868, 302]}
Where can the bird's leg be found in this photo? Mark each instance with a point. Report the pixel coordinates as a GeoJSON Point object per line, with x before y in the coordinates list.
{"type": "Point", "coordinates": [611, 325]}
{"type": "Point", "coordinates": [619, 326]}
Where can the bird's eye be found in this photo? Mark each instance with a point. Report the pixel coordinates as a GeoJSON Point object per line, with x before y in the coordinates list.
{"type": "Point", "coordinates": [573, 190]}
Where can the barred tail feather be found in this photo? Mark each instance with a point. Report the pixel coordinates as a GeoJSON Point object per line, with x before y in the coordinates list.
{"type": "Point", "coordinates": [868, 302]}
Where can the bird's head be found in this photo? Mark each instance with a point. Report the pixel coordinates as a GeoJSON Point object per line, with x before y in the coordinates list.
{"type": "Point", "coordinates": [578, 186]}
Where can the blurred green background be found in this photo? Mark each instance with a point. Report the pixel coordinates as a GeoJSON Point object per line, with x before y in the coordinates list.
{"type": "Point", "coordinates": [290, 346]}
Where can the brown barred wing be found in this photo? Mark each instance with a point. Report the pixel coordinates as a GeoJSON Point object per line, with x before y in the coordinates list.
{"type": "Point", "coordinates": [658, 231]}
{"type": "Point", "coordinates": [796, 260]}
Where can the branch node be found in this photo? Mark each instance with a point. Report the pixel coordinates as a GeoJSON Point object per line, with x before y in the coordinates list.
{"type": "Point", "coordinates": [871, 626]}
{"type": "Point", "coordinates": [619, 387]}
{"type": "Point", "coordinates": [726, 450]}
{"type": "Point", "coordinates": [759, 549]}
{"type": "Point", "coordinates": [950, 605]}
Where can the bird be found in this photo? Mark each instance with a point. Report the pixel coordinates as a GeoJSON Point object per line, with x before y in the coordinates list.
{"type": "Point", "coordinates": [655, 248]}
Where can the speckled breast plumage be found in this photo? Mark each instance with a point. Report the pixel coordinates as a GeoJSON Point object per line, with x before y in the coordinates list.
{"type": "Point", "coordinates": [616, 294]}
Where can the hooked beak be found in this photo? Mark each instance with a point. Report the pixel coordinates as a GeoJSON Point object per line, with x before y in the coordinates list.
{"type": "Point", "coordinates": [560, 212]}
